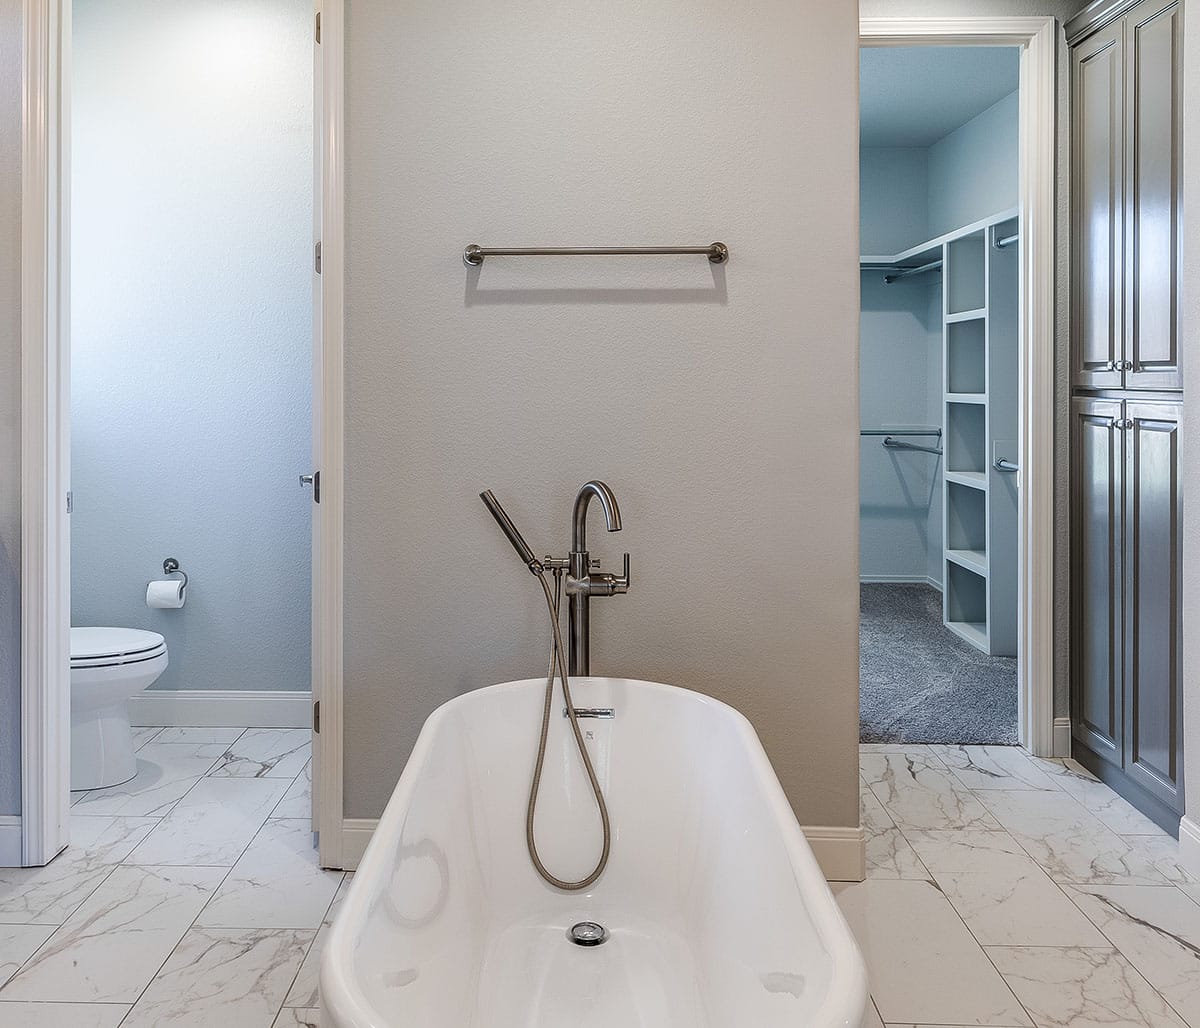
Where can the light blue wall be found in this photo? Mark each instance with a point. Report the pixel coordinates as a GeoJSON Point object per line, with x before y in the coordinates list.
{"type": "Point", "coordinates": [899, 374]}
{"type": "Point", "coordinates": [10, 406]}
{"type": "Point", "coordinates": [191, 338]}
{"type": "Point", "coordinates": [893, 211]}
{"type": "Point", "coordinates": [973, 171]}
{"type": "Point", "coordinates": [909, 195]}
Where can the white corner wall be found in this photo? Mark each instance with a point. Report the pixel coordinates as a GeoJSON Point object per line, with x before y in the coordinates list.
{"type": "Point", "coordinates": [192, 313]}
{"type": "Point", "coordinates": [1190, 462]}
{"type": "Point", "coordinates": [720, 403]}
{"type": "Point", "coordinates": [10, 407]}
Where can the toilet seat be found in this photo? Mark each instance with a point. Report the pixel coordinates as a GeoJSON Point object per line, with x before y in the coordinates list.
{"type": "Point", "coordinates": [112, 647]}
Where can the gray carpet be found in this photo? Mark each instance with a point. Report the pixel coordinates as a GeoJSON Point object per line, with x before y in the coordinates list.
{"type": "Point", "coordinates": [919, 682]}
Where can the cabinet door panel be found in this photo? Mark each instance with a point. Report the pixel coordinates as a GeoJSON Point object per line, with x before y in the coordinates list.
{"type": "Point", "coordinates": [1097, 202]}
{"type": "Point", "coordinates": [1098, 716]}
{"type": "Point", "coordinates": [1153, 688]}
{"type": "Point", "coordinates": [1153, 162]}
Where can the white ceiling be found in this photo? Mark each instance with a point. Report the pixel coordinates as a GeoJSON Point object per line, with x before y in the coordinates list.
{"type": "Point", "coordinates": [915, 95]}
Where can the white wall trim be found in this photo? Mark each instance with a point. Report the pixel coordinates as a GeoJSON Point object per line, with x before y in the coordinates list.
{"type": "Point", "coordinates": [841, 851]}
{"type": "Point", "coordinates": [1062, 737]}
{"type": "Point", "coordinates": [45, 453]}
{"type": "Point", "coordinates": [10, 840]}
{"type": "Point", "coordinates": [1038, 119]}
{"type": "Point", "coordinates": [1189, 846]}
{"type": "Point", "coordinates": [356, 833]}
{"type": "Point", "coordinates": [328, 440]}
{"type": "Point", "coordinates": [220, 708]}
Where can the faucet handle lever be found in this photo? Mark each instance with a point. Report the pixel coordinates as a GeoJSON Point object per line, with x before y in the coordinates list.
{"type": "Point", "coordinates": [621, 582]}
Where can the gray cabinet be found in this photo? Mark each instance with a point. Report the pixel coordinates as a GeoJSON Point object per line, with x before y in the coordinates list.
{"type": "Point", "coordinates": [1152, 683]}
{"type": "Point", "coordinates": [1126, 616]}
{"type": "Point", "coordinates": [1097, 547]}
{"type": "Point", "coordinates": [1126, 86]}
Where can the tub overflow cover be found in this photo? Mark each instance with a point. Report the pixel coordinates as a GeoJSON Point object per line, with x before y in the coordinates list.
{"type": "Point", "coordinates": [587, 933]}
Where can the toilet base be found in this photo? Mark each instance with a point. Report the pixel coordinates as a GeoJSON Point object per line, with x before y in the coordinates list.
{"type": "Point", "coordinates": [102, 748]}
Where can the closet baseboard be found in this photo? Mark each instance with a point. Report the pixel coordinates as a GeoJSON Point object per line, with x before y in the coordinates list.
{"type": "Point", "coordinates": [900, 580]}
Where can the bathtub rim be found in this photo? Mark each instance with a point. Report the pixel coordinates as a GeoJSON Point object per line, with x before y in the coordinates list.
{"type": "Point", "coordinates": [846, 999]}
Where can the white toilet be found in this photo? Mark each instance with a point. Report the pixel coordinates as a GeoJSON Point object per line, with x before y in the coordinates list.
{"type": "Point", "coordinates": [108, 667]}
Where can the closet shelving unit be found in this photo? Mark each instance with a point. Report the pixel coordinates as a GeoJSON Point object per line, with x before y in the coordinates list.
{"type": "Point", "coordinates": [979, 424]}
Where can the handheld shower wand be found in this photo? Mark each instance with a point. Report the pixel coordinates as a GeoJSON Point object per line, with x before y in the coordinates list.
{"type": "Point", "coordinates": [509, 529]}
{"type": "Point", "coordinates": [558, 661]}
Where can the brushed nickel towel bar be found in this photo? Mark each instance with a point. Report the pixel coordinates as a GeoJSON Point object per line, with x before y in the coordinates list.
{"type": "Point", "coordinates": [473, 255]}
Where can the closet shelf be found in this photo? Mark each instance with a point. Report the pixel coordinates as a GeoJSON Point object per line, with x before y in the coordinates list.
{"type": "Point", "coordinates": [966, 397]}
{"type": "Point", "coordinates": [972, 560]}
{"type": "Point", "coordinates": [975, 315]}
{"type": "Point", "coordinates": [932, 247]}
{"type": "Point", "coordinates": [971, 479]}
{"type": "Point", "coordinates": [973, 632]}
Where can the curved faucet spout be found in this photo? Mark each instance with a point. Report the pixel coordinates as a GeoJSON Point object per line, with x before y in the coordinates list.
{"type": "Point", "coordinates": [612, 513]}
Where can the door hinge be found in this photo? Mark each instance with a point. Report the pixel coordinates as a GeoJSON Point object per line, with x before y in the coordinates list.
{"type": "Point", "coordinates": [70, 501]}
{"type": "Point", "coordinates": [318, 33]}
{"type": "Point", "coordinates": [317, 717]}
{"type": "Point", "coordinates": [317, 260]}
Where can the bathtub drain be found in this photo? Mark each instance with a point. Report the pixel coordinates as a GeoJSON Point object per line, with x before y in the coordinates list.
{"type": "Point", "coordinates": [587, 933]}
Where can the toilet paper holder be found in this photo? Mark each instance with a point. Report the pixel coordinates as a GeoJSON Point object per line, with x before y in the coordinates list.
{"type": "Point", "coordinates": [171, 567]}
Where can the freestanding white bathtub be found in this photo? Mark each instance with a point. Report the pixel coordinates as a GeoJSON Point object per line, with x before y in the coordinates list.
{"type": "Point", "coordinates": [718, 914]}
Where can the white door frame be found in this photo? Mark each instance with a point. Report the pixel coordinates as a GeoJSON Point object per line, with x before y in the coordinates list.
{"type": "Point", "coordinates": [45, 425]}
{"type": "Point", "coordinates": [1037, 38]}
{"type": "Point", "coordinates": [328, 424]}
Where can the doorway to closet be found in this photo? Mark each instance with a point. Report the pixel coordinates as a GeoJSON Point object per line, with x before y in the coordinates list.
{"type": "Point", "coordinates": [939, 404]}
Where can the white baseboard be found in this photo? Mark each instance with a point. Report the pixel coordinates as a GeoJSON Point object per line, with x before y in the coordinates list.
{"type": "Point", "coordinates": [1062, 737]}
{"type": "Point", "coordinates": [356, 833]}
{"type": "Point", "coordinates": [10, 840]}
{"type": "Point", "coordinates": [841, 852]}
{"type": "Point", "coordinates": [219, 708]}
{"type": "Point", "coordinates": [900, 580]}
{"type": "Point", "coordinates": [1189, 846]}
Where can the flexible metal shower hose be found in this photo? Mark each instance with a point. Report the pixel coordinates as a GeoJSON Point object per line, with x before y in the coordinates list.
{"type": "Point", "coordinates": [557, 660]}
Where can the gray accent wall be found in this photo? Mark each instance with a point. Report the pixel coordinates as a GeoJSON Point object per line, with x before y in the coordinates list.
{"type": "Point", "coordinates": [191, 322]}
{"type": "Point", "coordinates": [10, 406]}
{"type": "Point", "coordinates": [720, 403]}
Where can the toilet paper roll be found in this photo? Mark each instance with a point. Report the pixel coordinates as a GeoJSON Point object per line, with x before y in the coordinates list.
{"type": "Point", "coordinates": [165, 594]}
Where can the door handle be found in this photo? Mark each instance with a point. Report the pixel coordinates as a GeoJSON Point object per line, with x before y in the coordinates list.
{"type": "Point", "coordinates": [315, 481]}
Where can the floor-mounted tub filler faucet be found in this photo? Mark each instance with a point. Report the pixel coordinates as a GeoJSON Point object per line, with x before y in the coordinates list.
{"type": "Point", "coordinates": [584, 580]}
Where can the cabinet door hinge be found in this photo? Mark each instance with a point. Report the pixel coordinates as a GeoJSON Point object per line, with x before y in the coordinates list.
{"type": "Point", "coordinates": [318, 32]}
{"type": "Point", "coordinates": [317, 717]}
{"type": "Point", "coordinates": [317, 257]}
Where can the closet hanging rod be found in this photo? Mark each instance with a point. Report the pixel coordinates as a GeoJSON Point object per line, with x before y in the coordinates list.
{"type": "Point", "coordinates": [1000, 244]}
{"type": "Point", "coordinates": [473, 255]}
{"type": "Point", "coordinates": [906, 272]}
{"type": "Point", "coordinates": [895, 444]}
{"type": "Point", "coordinates": [901, 431]}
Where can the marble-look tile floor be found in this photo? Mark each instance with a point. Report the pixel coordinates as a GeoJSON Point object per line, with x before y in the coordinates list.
{"type": "Point", "coordinates": [1002, 890]}
{"type": "Point", "coordinates": [189, 897]}
{"type": "Point", "coordinates": [1012, 891]}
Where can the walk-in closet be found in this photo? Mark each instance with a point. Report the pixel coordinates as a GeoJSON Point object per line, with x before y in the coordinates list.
{"type": "Point", "coordinates": [939, 394]}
